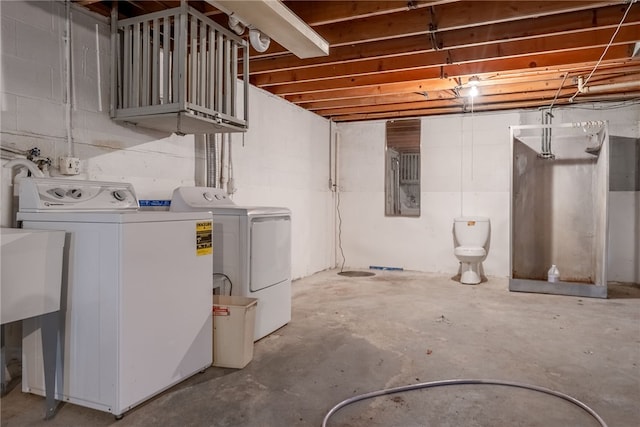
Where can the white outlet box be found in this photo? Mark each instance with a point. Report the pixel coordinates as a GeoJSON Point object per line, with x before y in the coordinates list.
{"type": "Point", "coordinates": [69, 165]}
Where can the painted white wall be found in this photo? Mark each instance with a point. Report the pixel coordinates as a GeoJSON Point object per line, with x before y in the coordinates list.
{"type": "Point", "coordinates": [33, 105]}
{"type": "Point", "coordinates": [477, 146]}
{"type": "Point", "coordinates": [285, 157]}
{"type": "Point", "coordinates": [283, 160]}
{"type": "Point", "coordinates": [465, 171]}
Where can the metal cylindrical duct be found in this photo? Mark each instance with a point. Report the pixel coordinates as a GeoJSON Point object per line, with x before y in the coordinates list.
{"type": "Point", "coordinates": [224, 161]}
{"type": "Point", "coordinates": [211, 160]}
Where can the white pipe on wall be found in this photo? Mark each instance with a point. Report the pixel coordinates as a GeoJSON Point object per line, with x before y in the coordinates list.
{"type": "Point", "coordinates": [231, 186]}
{"type": "Point", "coordinates": [68, 65]}
{"type": "Point", "coordinates": [25, 164]}
{"type": "Point", "coordinates": [98, 76]}
{"type": "Point", "coordinates": [605, 87]}
{"type": "Point", "coordinates": [224, 177]}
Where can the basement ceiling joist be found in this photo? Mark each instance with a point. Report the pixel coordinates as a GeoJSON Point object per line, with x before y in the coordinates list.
{"type": "Point", "coordinates": [390, 59]}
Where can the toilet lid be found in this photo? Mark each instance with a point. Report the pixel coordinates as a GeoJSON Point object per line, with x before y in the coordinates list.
{"type": "Point", "coordinates": [469, 251]}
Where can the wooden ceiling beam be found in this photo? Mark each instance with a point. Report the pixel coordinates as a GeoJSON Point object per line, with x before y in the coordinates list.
{"type": "Point", "coordinates": [488, 94]}
{"type": "Point", "coordinates": [544, 61]}
{"type": "Point", "coordinates": [578, 24]}
{"type": "Point", "coordinates": [547, 95]}
{"type": "Point", "coordinates": [511, 49]}
{"type": "Point", "coordinates": [419, 86]}
{"type": "Point", "coordinates": [465, 109]}
{"type": "Point", "coordinates": [469, 13]}
{"type": "Point", "coordinates": [473, 14]}
{"type": "Point", "coordinates": [529, 82]}
{"type": "Point", "coordinates": [497, 88]}
{"type": "Point", "coordinates": [317, 13]}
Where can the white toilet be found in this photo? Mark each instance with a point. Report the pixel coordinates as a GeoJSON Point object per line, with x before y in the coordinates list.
{"type": "Point", "coordinates": [471, 236]}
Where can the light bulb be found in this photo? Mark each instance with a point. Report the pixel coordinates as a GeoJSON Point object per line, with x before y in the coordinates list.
{"type": "Point", "coordinates": [473, 92]}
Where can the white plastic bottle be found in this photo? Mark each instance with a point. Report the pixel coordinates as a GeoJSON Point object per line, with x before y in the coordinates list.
{"type": "Point", "coordinates": [553, 274]}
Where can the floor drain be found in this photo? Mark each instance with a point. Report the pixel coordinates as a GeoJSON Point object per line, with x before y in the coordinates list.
{"type": "Point", "coordinates": [356, 273]}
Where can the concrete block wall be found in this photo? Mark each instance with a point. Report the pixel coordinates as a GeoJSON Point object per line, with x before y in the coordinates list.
{"type": "Point", "coordinates": [465, 171]}
{"type": "Point", "coordinates": [283, 159]}
{"type": "Point", "coordinates": [34, 105]}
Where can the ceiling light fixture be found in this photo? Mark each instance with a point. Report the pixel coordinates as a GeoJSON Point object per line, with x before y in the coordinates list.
{"type": "Point", "coordinates": [473, 82]}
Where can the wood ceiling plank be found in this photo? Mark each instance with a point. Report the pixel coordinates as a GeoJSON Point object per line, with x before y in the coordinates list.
{"type": "Point", "coordinates": [382, 99]}
{"type": "Point", "coordinates": [458, 109]}
{"type": "Point", "coordinates": [469, 13]}
{"type": "Point", "coordinates": [511, 49]}
{"type": "Point", "coordinates": [419, 86]}
{"type": "Point", "coordinates": [578, 57]}
{"type": "Point", "coordinates": [533, 82]}
{"type": "Point", "coordinates": [317, 13]}
{"type": "Point", "coordinates": [496, 88]}
{"type": "Point", "coordinates": [550, 61]}
{"type": "Point", "coordinates": [547, 95]}
{"type": "Point", "coordinates": [416, 22]}
{"type": "Point", "coordinates": [576, 23]}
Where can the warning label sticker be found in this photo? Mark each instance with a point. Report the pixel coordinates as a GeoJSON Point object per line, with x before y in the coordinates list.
{"type": "Point", "coordinates": [204, 238]}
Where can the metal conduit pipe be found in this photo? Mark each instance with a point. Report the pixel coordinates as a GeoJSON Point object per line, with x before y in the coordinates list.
{"type": "Point", "coordinates": [545, 149]}
{"type": "Point", "coordinates": [543, 137]}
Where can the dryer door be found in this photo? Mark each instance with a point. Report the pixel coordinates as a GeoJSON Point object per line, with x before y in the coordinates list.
{"type": "Point", "coordinates": [270, 251]}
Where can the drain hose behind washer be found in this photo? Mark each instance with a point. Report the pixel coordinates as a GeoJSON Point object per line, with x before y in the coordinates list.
{"type": "Point", "coordinates": [461, 382]}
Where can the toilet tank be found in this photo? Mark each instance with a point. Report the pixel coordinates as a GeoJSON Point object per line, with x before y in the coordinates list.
{"type": "Point", "coordinates": [471, 231]}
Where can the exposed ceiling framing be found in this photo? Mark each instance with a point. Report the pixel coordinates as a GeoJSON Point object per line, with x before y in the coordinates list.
{"type": "Point", "coordinates": [393, 59]}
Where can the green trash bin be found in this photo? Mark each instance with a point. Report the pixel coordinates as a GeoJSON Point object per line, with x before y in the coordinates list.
{"type": "Point", "coordinates": [234, 319]}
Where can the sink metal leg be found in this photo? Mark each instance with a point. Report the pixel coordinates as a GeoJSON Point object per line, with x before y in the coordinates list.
{"type": "Point", "coordinates": [3, 363]}
{"type": "Point", "coordinates": [49, 331]}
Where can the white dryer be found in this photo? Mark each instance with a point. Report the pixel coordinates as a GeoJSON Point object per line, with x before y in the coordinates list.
{"type": "Point", "coordinates": [136, 292]}
{"type": "Point", "coordinates": [252, 247]}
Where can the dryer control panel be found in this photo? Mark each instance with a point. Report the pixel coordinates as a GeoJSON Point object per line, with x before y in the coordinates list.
{"type": "Point", "coordinates": [190, 198]}
{"type": "Point", "coordinates": [51, 194]}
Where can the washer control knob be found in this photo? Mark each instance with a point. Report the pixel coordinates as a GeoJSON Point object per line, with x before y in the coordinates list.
{"type": "Point", "coordinates": [207, 196]}
{"type": "Point", "coordinates": [119, 195]}
{"type": "Point", "coordinates": [75, 193]}
{"type": "Point", "coordinates": [57, 192]}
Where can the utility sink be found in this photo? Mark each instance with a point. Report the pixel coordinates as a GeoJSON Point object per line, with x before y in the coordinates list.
{"type": "Point", "coordinates": [31, 272]}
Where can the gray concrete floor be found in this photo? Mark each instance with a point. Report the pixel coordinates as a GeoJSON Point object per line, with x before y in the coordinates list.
{"type": "Point", "coordinates": [349, 336]}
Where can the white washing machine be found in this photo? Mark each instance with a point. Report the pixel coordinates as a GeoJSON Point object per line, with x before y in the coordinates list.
{"type": "Point", "coordinates": [136, 293]}
{"type": "Point", "coordinates": [252, 247]}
